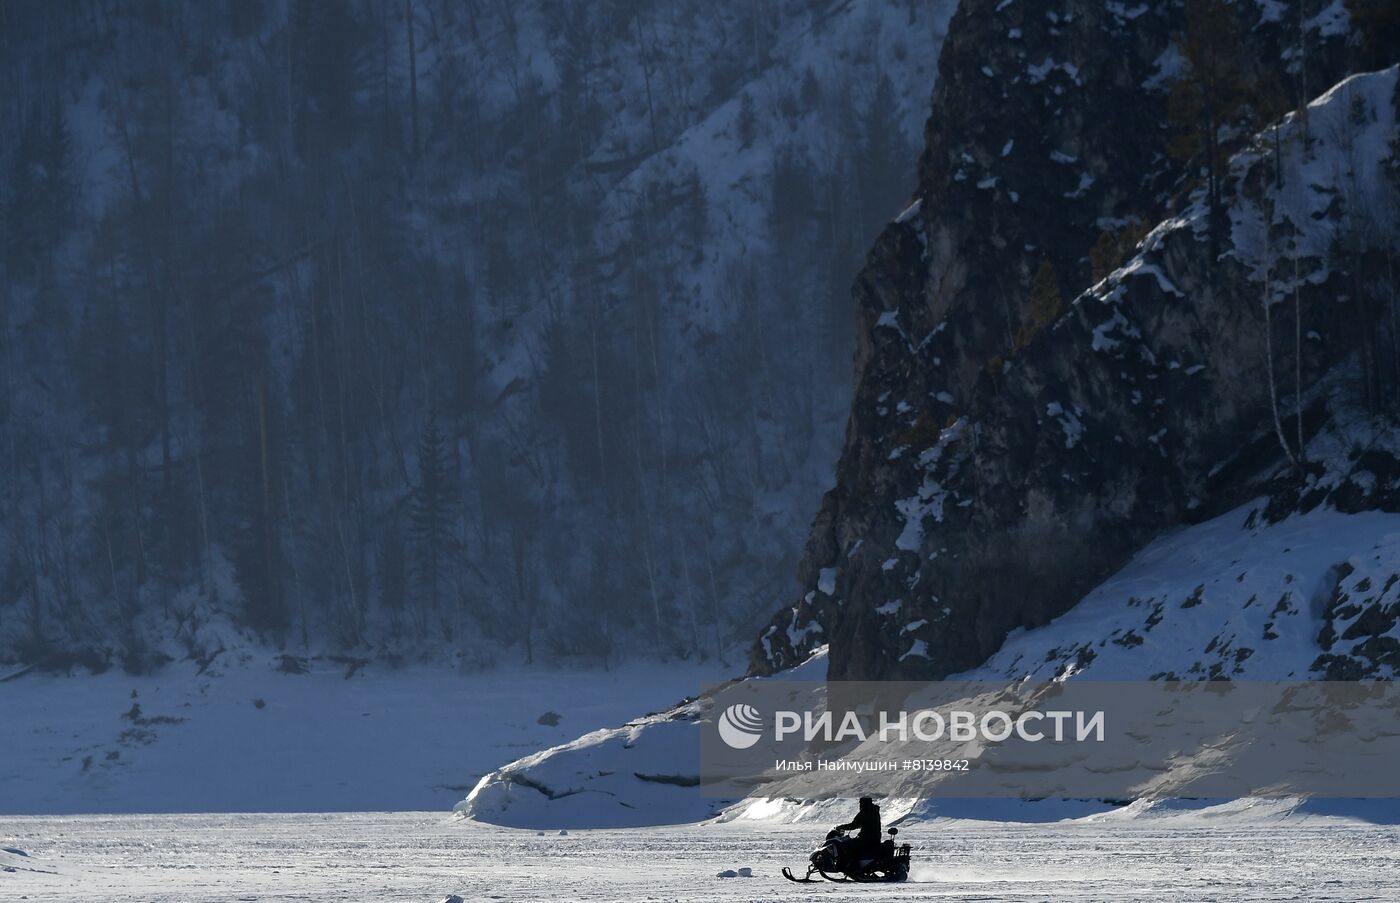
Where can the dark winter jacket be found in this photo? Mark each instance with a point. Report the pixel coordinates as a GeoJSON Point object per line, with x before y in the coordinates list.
{"type": "Point", "coordinates": [867, 821]}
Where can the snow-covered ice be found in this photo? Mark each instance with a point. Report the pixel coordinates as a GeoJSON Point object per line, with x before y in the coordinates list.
{"type": "Point", "coordinates": [1185, 855]}
{"type": "Point", "coordinates": [244, 738]}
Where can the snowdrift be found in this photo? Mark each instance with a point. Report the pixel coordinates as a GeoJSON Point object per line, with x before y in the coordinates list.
{"type": "Point", "coordinates": [644, 773]}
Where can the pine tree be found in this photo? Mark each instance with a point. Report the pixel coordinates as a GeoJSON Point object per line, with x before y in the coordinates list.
{"type": "Point", "coordinates": [882, 171]}
{"type": "Point", "coordinates": [1209, 95]}
{"type": "Point", "coordinates": [1112, 248]}
{"type": "Point", "coordinates": [36, 198]}
{"type": "Point", "coordinates": [1044, 305]}
{"type": "Point", "coordinates": [259, 558]}
{"type": "Point", "coordinates": [746, 124]}
{"type": "Point", "coordinates": [790, 213]}
{"type": "Point", "coordinates": [1377, 26]}
{"type": "Point", "coordinates": [431, 514]}
{"type": "Point", "coordinates": [328, 51]}
{"type": "Point", "coordinates": [393, 576]}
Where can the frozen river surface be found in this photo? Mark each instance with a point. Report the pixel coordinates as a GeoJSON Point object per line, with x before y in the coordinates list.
{"type": "Point", "coordinates": [426, 856]}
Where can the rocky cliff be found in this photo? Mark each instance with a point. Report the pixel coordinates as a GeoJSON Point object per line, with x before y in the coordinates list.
{"type": "Point", "coordinates": [1130, 390]}
{"type": "Point", "coordinates": [1008, 450]}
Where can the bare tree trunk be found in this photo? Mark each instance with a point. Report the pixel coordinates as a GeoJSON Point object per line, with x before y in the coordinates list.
{"type": "Point", "coordinates": [1303, 71]}
{"type": "Point", "coordinates": [525, 599]}
{"type": "Point", "coordinates": [647, 555]}
{"type": "Point", "coordinates": [1269, 348]}
{"type": "Point", "coordinates": [1298, 358]}
{"type": "Point", "coordinates": [646, 79]}
{"type": "Point", "coordinates": [689, 601]}
{"type": "Point", "coordinates": [714, 599]}
{"type": "Point", "coordinates": [598, 403]}
{"type": "Point", "coordinates": [268, 540]}
{"type": "Point", "coordinates": [412, 76]}
{"type": "Point", "coordinates": [36, 600]}
{"type": "Point", "coordinates": [133, 476]}
{"type": "Point", "coordinates": [111, 559]}
{"type": "Point", "coordinates": [162, 300]}
{"type": "Point", "coordinates": [297, 589]}
{"type": "Point", "coordinates": [206, 573]}
{"type": "Point", "coordinates": [349, 577]}
{"type": "Point", "coordinates": [1394, 319]}
{"type": "Point", "coordinates": [7, 345]}
{"type": "Point", "coordinates": [138, 200]}
{"type": "Point", "coordinates": [386, 115]}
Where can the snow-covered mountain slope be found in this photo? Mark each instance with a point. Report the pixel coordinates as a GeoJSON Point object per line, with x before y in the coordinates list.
{"type": "Point", "coordinates": [1235, 597]}
{"type": "Point", "coordinates": [406, 328]}
{"type": "Point", "coordinates": [242, 736]}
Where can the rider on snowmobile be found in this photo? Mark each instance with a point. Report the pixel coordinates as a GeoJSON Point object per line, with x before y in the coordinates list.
{"type": "Point", "coordinates": [867, 822]}
{"type": "Point", "coordinates": [861, 858]}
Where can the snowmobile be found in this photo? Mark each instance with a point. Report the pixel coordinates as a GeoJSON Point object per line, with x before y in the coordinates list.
{"type": "Point", "coordinates": [836, 860]}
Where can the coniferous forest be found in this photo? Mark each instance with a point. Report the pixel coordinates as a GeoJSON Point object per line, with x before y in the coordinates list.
{"type": "Point", "coordinates": [411, 327]}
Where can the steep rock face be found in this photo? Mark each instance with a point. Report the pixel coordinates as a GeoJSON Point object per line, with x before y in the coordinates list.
{"type": "Point", "coordinates": [994, 472]}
